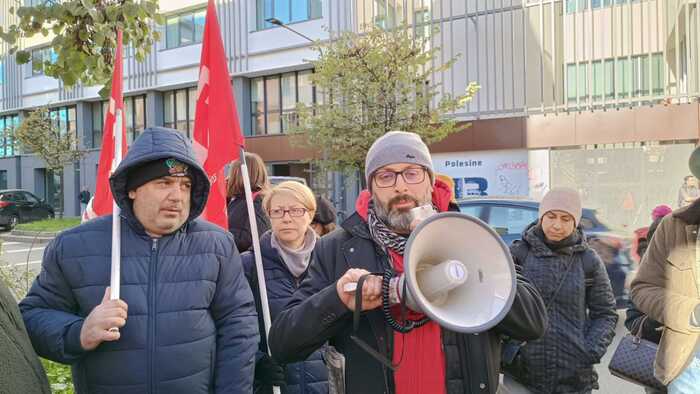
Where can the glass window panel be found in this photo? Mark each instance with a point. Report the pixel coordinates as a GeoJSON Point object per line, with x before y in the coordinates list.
{"type": "Point", "coordinates": [597, 80]}
{"type": "Point", "coordinates": [282, 10]}
{"type": "Point", "coordinates": [583, 81]}
{"type": "Point", "coordinates": [644, 75]}
{"type": "Point", "coordinates": [273, 123]}
{"type": "Point", "coordinates": [257, 95]}
{"type": "Point", "coordinates": [260, 14]}
{"type": "Point", "coordinates": [129, 119]}
{"type": "Point", "coordinates": [181, 110]}
{"type": "Point", "coordinates": [139, 114]}
{"type": "Point", "coordinates": [258, 124]}
{"type": "Point", "coordinates": [622, 77]}
{"type": "Point", "coordinates": [289, 92]}
{"type": "Point", "coordinates": [306, 88]}
{"type": "Point", "coordinates": [192, 107]}
{"type": "Point", "coordinates": [506, 220]}
{"type": "Point", "coordinates": [72, 121]}
{"type": "Point", "coordinates": [380, 14]}
{"type": "Point", "coordinates": [289, 119]}
{"type": "Point", "coordinates": [582, 5]}
{"type": "Point", "coordinates": [199, 19]}
{"type": "Point", "coordinates": [595, 4]}
{"type": "Point", "coordinates": [272, 93]}
{"type": "Point", "coordinates": [571, 82]}
{"type": "Point", "coordinates": [98, 122]}
{"type": "Point", "coordinates": [300, 10]}
{"type": "Point", "coordinates": [316, 9]}
{"type": "Point", "coordinates": [570, 6]}
{"type": "Point", "coordinates": [186, 29]}
{"type": "Point", "coordinates": [269, 12]}
{"type": "Point", "coordinates": [657, 73]}
{"type": "Point", "coordinates": [609, 78]}
{"type": "Point", "coordinates": [169, 109]}
{"type": "Point", "coordinates": [172, 37]}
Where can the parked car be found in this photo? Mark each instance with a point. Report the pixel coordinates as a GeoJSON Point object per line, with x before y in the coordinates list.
{"type": "Point", "coordinates": [510, 217]}
{"type": "Point", "coordinates": [21, 206]}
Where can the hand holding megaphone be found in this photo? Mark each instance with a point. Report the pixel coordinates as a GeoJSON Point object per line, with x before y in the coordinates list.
{"type": "Point", "coordinates": [371, 289]}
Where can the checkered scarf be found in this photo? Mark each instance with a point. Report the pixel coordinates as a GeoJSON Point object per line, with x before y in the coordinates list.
{"type": "Point", "coordinates": [381, 234]}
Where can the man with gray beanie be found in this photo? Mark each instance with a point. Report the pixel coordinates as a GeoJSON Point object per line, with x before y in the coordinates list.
{"type": "Point", "coordinates": [186, 315]}
{"type": "Point", "coordinates": [428, 359]}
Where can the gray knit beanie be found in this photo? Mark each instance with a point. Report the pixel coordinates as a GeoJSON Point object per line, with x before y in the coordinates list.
{"type": "Point", "coordinates": [397, 147]}
{"type": "Point", "coordinates": [562, 199]}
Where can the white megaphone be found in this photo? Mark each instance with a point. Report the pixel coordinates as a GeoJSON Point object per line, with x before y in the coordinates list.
{"type": "Point", "coordinates": [459, 272]}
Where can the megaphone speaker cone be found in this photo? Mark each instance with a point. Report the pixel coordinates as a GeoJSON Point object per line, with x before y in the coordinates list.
{"type": "Point", "coordinates": [459, 272]}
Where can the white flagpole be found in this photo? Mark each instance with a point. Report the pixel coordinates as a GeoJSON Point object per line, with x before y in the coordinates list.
{"type": "Point", "coordinates": [115, 276]}
{"type": "Point", "coordinates": [262, 287]}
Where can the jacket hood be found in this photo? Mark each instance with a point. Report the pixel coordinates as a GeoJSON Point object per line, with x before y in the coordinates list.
{"type": "Point", "coordinates": [689, 214]}
{"type": "Point", "coordinates": [157, 143]}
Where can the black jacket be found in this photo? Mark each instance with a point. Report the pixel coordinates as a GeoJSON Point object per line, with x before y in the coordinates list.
{"type": "Point", "coordinates": [316, 315]}
{"type": "Point", "coordinates": [306, 377]}
{"type": "Point", "coordinates": [239, 225]}
{"type": "Point", "coordinates": [582, 315]}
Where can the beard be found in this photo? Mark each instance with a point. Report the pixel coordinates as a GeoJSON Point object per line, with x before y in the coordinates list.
{"type": "Point", "coordinates": [399, 220]}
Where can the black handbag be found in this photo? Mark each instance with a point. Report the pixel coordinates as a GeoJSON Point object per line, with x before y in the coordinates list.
{"type": "Point", "coordinates": [633, 361]}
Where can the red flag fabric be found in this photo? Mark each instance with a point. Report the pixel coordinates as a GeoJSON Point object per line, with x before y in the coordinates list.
{"type": "Point", "coordinates": [101, 203]}
{"type": "Point", "coordinates": [217, 132]}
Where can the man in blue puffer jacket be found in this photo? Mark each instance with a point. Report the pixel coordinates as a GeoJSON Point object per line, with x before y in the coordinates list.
{"type": "Point", "coordinates": [190, 326]}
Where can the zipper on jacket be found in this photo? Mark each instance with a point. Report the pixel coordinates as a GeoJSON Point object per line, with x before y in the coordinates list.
{"type": "Point", "coordinates": [151, 348]}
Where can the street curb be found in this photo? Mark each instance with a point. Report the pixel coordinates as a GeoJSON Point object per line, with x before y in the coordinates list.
{"type": "Point", "coordinates": [29, 237]}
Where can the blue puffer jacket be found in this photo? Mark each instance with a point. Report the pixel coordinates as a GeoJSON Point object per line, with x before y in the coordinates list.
{"type": "Point", "coordinates": [191, 326]}
{"type": "Point", "coordinates": [305, 377]}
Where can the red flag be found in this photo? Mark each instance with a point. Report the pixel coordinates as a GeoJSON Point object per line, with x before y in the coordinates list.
{"type": "Point", "coordinates": [217, 132]}
{"type": "Point", "coordinates": [101, 203]}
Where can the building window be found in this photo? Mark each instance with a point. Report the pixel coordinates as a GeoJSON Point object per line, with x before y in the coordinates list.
{"type": "Point", "coordinates": [99, 112]}
{"type": "Point", "coordinates": [179, 109]}
{"type": "Point", "coordinates": [657, 74]}
{"type": "Point", "coordinates": [422, 22]}
{"type": "Point", "coordinates": [34, 3]}
{"type": "Point", "coordinates": [624, 76]}
{"type": "Point", "coordinates": [3, 179]}
{"type": "Point", "coordinates": [64, 119]}
{"type": "Point", "coordinates": [8, 144]}
{"type": "Point", "coordinates": [39, 57]}
{"type": "Point", "coordinates": [287, 11]}
{"type": "Point", "coordinates": [184, 29]}
{"type": "Point", "coordinates": [274, 99]}
{"type": "Point", "coordinates": [582, 5]}
{"type": "Point", "coordinates": [134, 117]}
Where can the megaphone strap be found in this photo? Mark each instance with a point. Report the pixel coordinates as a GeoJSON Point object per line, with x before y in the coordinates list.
{"type": "Point", "coordinates": [356, 326]}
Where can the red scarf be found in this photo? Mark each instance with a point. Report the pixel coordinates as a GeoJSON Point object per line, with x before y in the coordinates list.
{"type": "Point", "coordinates": [420, 353]}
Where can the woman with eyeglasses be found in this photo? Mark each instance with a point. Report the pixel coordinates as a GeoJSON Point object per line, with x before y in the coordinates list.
{"type": "Point", "coordinates": [286, 252]}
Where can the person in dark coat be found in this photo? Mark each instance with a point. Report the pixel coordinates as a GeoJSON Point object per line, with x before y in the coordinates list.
{"type": "Point", "coordinates": [238, 222]}
{"type": "Point", "coordinates": [286, 252]}
{"type": "Point", "coordinates": [572, 279]}
{"type": "Point", "coordinates": [186, 315]}
{"type": "Point", "coordinates": [20, 368]}
{"type": "Point", "coordinates": [432, 359]}
{"type": "Point", "coordinates": [324, 218]}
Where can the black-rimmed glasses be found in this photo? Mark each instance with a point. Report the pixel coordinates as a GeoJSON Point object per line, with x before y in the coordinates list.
{"type": "Point", "coordinates": [411, 175]}
{"type": "Point", "coordinates": [278, 213]}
